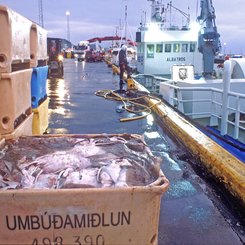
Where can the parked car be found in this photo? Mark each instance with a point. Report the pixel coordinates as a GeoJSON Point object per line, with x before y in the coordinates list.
{"type": "Point", "coordinates": [93, 56]}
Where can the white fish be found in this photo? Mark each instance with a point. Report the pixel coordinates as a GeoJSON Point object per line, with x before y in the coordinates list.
{"type": "Point", "coordinates": [105, 178]}
{"type": "Point", "coordinates": [87, 148]}
{"type": "Point", "coordinates": [122, 179]}
{"type": "Point", "coordinates": [108, 175]}
{"type": "Point", "coordinates": [80, 179]}
{"type": "Point", "coordinates": [45, 181]}
{"type": "Point", "coordinates": [79, 163]}
{"type": "Point", "coordinates": [27, 180]}
{"type": "Point", "coordinates": [58, 161]}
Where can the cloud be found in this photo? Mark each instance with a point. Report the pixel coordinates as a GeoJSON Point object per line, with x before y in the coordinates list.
{"type": "Point", "coordinates": [79, 30]}
{"type": "Point", "coordinates": [91, 18]}
{"type": "Point", "coordinates": [84, 30]}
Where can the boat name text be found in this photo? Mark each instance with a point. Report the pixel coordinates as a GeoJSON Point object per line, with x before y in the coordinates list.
{"type": "Point", "coordinates": [171, 59]}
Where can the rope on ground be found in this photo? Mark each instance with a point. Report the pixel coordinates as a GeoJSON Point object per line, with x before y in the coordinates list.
{"type": "Point", "coordinates": [112, 95]}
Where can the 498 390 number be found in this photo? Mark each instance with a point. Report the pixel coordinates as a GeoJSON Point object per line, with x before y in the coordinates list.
{"type": "Point", "coordinates": [77, 240]}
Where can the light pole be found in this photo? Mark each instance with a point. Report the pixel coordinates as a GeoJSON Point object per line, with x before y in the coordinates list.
{"type": "Point", "coordinates": [68, 25]}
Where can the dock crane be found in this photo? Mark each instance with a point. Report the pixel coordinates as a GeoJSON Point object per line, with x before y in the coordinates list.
{"type": "Point", "coordinates": [208, 40]}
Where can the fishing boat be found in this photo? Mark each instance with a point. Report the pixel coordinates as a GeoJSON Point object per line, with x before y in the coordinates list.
{"type": "Point", "coordinates": [162, 44]}
{"type": "Point", "coordinates": [131, 57]}
{"type": "Point", "coordinates": [130, 43]}
{"type": "Point", "coordinates": [179, 64]}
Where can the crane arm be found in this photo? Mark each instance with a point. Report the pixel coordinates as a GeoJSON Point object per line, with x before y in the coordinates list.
{"type": "Point", "coordinates": [208, 42]}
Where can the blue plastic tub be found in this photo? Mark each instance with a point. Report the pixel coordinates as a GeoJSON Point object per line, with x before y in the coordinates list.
{"type": "Point", "coordinates": [38, 85]}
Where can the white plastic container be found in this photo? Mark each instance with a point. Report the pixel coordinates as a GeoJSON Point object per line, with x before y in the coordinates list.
{"type": "Point", "coordinates": [38, 46]}
{"type": "Point", "coordinates": [15, 99]}
{"type": "Point", "coordinates": [22, 42]}
{"type": "Point", "coordinates": [24, 129]}
{"type": "Point", "coordinates": [99, 216]}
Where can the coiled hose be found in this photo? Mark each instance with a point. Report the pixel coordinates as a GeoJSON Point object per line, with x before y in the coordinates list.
{"type": "Point", "coordinates": [113, 95]}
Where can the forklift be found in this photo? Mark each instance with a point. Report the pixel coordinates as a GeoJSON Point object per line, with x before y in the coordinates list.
{"type": "Point", "coordinates": [55, 61]}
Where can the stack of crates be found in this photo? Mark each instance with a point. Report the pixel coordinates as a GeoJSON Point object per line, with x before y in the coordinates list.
{"type": "Point", "coordinates": [39, 98]}
{"type": "Point", "coordinates": [19, 53]}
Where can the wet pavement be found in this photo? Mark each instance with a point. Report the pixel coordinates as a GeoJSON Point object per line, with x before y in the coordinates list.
{"type": "Point", "coordinates": [193, 211]}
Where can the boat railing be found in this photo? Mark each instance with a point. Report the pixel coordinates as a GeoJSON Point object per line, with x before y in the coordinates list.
{"type": "Point", "coordinates": [151, 82]}
{"type": "Point", "coordinates": [218, 116]}
{"type": "Point", "coordinates": [202, 102]}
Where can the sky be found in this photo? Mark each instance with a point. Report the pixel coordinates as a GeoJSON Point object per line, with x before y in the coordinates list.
{"type": "Point", "coordinates": [99, 18]}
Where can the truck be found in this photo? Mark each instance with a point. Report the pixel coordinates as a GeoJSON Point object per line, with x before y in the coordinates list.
{"type": "Point", "coordinates": [80, 50]}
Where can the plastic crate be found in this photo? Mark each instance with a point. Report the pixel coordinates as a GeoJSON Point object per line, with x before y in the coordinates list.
{"type": "Point", "coordinates": [23, 43]}
{"type": "Point", "coordinates": [40, 118]}
{"type": "Point", "coordinates": [38, 85]}
{"type": "Point", "coordinates": [15, 43]}
{"type": "Point", "coordinates": [24, 129]}
{"type": "Point", "coordinates": [38, 46]}
{"type": "Point", "coordinates": [116, 215]}
{"type": "Point", "coordinates": [15, 99]}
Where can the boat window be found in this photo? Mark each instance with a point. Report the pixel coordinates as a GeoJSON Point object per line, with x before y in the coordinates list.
{"type": "Point", "coordinates": [184, 47]}
{"type": "Point", "coordinates": [168, 48]}
{"type": "Point", "coordinates": [150, 50]}
{"type": "Point", "coordinates": [159, 48]}
{"type": "Point", "coordinates": [192, 47]}
{"type": "Point", "coordinates": [176, 48]}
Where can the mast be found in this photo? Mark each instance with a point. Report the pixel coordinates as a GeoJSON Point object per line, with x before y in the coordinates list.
{"type": "Point", "coordinates": [40, 11]}
{"type": "Point", "coordinates": [126, 22]}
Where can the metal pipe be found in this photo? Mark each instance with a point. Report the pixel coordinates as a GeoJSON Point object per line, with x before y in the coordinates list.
{"type": "Point", "coordinates": [225, 98]}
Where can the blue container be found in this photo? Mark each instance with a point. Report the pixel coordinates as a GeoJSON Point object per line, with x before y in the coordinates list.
{"type": "Point", "coordinates": [38, 85]}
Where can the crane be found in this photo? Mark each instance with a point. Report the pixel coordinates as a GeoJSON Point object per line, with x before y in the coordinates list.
{"type": "Point", "coordinates": [208, 40]}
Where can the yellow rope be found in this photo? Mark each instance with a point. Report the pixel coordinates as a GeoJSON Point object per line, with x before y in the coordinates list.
{"type": "Point", "coordinates": [107, 95]}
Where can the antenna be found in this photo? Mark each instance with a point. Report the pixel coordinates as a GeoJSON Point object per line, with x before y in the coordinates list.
{"type": "Point", "coordinates": [125, 26]}
{"type": "Point", "coordinates": [40, 8]}
{"type": "Point", "coordinates": [126, 22]}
